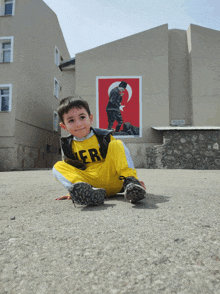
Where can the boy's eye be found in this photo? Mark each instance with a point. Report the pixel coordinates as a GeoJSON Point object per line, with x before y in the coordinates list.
{"type": "Point", "coordinates": [71, 120]}
{"type": "Point", "coordinates": [82, 117]}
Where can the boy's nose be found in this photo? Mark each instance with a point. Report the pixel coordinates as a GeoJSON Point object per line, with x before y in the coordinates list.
{"type": "Point", "coordinates": [78, 123]}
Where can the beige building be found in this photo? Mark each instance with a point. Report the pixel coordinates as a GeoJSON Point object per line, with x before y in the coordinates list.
{"type": "Point", "coordinates": [31, 84]}
{"type": "Point", "coordinates": [180, 73]}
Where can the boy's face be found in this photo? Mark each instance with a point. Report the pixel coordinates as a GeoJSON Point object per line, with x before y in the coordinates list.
{"type": "Point", "coordinates": [77, 122]}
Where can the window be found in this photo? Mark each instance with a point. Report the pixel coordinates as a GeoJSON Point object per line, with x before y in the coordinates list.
{"type": "Point", "coordinates": [5, 97]}
{"type": "Point", "coordinates": [6, 52]}
{"type": "Point", "coordinates": [55, 121]}
{"type": "Point", "coordinates": [57, 56]}
{"type": "Point", "coordinates": [56, 88]}
{"type": "Point", "coordinates": [9, 7]}
{"type": "Point", "coordinates": [6, 49]}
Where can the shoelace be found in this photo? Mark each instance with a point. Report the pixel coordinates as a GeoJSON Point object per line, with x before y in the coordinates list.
{"type": "Point", "coordinates": [128, 180]}
{"type": "Point", "coordinates": [73, 202]}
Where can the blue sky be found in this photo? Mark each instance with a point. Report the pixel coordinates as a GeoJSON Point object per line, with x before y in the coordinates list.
{"type": "Point", "coordinates": [90, 23]}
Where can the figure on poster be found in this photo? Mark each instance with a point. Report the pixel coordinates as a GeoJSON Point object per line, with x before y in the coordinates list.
{"type": "Point", "coordinates": [113, 107]}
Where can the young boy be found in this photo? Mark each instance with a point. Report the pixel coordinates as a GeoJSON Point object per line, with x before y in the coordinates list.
{"type": "Point", "coordinates": [94, 164]}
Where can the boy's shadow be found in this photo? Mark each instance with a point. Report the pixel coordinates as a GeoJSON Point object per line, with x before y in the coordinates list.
{"type": "Point", "coordinates": [150, 202]}
{"type": "Point", "coordinates": [101, 207]}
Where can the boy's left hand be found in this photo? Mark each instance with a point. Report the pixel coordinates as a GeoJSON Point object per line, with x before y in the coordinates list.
{"type": "Point", "coordinates": [68, 197]}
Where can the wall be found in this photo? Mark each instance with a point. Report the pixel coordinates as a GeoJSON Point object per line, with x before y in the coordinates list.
{"type": "Point", "coordinates": [179, 78]}
{"type": "Point", "coordinates": [197, 149]}
{"type": "Point", "coordinates": [205, 71]}
{"type": "Point", "coordinates": [36, 147]}
{"type": "Point", "coordinates": [37, 34]}
{"type": "Point", "coordinates": [7, 158]}
{"type": "Point", "coordinates": [144, 54]}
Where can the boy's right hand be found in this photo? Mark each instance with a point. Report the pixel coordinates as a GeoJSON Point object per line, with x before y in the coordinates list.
{"type": "Point", "coordinates": [68, 197]}
{"type": "Point", "coordinates": [142, 184]}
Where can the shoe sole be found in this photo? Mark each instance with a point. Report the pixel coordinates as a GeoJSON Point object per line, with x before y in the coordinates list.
{"type": "Point", "coordinates": [84, 194]}
{"type": "Point", "coordinates": [134, 193]}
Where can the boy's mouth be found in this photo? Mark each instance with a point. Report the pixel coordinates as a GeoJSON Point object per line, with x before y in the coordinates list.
{"type": "Point", "coordinates": [80, 130]}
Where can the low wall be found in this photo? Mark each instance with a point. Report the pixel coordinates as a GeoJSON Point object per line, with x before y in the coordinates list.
{"type": "Point", "coordinates": [34, 158]}
{"type": "Point", "coordinates": [138, 153]}
{"type": "Point", "coordinates": [197, 149]}
{"type": "Point", "coordinates": [7, 158]}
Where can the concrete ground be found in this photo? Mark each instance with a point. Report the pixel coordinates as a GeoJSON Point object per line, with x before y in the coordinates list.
{"type": "Point", "coordinates": [169, 243]}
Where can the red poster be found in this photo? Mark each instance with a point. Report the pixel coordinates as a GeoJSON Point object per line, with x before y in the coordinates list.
{"type": "Point", "coordinates": [119, 105]}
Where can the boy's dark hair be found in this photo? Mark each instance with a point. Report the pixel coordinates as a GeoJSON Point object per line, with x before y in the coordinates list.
{"type": "Point", "coordinates": [71, 102]}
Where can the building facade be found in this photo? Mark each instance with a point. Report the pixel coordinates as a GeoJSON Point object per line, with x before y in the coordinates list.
{"type": "Point", "coordinates": [32, 47]}
{"type": "Point", "coordinates": [177, 75]}
{"type": "Point", "coordinates": [180, 80]}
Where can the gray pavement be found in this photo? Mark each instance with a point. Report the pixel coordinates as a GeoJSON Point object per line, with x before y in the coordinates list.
{"type": "Point", "coordinates": [169, 243]}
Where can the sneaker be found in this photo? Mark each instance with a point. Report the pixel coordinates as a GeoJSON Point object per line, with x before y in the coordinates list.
{"type": "Point", "coordinates": [134, 191]}
{"type": "Point", "coordinates": [84, 194]}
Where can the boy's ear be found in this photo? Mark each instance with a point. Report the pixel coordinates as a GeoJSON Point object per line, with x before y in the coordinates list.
{"type": "Point", "coordinates": [62, 125]}
{"type": "Point", "coordinates": [91, 118]}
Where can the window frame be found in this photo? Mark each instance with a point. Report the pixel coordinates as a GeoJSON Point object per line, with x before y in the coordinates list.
{"type": "Point", "coordinates": [57, 56]}
{"type": "Point", "coordinates": [55, 126]}
{"type": "Point", "coordinates": [2, 87]}
{"type": "Point", "coordinates": [4, 40]}
{"type": "Point", "coordinates": [56, 91]}
{"type": "Point", "coordinates": [3, 5]}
